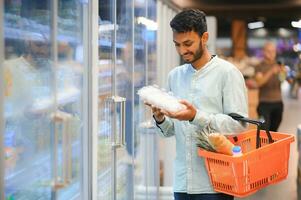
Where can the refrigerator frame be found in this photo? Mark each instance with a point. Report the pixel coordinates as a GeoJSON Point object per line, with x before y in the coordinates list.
{"type": "Point", "coordinates": [90, 42]}
{"type": "Point", "coordinates": [2, 195]}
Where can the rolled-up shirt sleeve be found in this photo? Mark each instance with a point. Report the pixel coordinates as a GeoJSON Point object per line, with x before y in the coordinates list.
{"type": "Point", "coordinates": [166, 128]}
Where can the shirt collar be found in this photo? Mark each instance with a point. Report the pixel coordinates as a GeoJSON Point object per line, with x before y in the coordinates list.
{"type": "Point", "coordinates": [193, 70]}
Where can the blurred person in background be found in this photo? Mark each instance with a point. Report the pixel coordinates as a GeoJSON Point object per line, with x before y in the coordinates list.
{"type": "Point", "coordinates": [212, 88]}
{"type": "Point", "coordinates": [30, 72]}
{"type": "Point", "coordinates": [295, 81]}
{"type": "Point", "coordinates": [268, 75]}
{"type": "Point", "coordinates": [28, 81]}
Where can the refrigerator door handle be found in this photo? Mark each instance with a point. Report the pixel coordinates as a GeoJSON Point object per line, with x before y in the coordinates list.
{"type": "Point", "coordinates": [121, 139]}
{"type": "Point", "coordinates": [122, 114]}
{"type": "Point", "coordinates": [63, 119]}
{"type": "Point", "coordinates": [113, 102]}
{"type": "Point", "coordinates": [67, 149]}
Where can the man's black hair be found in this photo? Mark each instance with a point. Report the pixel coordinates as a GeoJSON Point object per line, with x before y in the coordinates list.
{"type": "Point", "coordinates": [189, 20]}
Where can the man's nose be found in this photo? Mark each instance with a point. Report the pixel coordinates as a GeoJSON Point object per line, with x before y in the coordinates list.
{"type": "Point", "coordinates": [182, 51]}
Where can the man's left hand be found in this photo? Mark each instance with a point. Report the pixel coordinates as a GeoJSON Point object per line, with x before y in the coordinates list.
{"type": "Point", "coordinates": [186, 114]}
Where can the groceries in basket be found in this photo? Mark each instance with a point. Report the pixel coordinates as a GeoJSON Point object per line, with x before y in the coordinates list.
{"type": "Point", "coordinates": [264, 161]}
{"type": "Point", "coordinates": [215, 142]}
{"type": "Point", "coordinates": [236, 151]}
{"type": "Point", "coordinates": [220, 143]}
{"type": "Point", "coordinates": [160, 98]}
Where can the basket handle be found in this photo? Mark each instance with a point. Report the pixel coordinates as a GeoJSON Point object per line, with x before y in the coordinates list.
{"type": "Point", "coordinates": [259, 125]}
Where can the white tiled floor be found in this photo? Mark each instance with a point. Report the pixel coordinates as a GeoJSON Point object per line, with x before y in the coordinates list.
{"type": "Point", "coordinates": [285, 190]}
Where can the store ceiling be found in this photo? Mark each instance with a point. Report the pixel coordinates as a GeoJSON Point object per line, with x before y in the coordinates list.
{"type": "Point", "coordinates": [247, 8]}
{"type": "Point", "coordinates": [274, 13]}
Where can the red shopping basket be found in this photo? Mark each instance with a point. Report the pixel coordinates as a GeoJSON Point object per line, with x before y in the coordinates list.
{"type": "Point", "coordinates": [264, 161]}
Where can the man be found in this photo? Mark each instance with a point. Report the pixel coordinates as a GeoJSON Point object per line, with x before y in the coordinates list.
{"type": "Point", "coordinates": [28, 81]}
{"type": "Point", "coordinates": [268, 75]}
{"type": "Point", "coordinates": [212, 89]}
{"type": "Point", "coordinates": [28, 74]}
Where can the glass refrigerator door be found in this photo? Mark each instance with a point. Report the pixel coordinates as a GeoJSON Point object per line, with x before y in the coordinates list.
{"type": "Point", "coordinates": [124, 88]}
{"type": "Point", "coordinates": [70, 110]}
{"type": "Point", "coordinates": [105, 109]}
{"type": "Point", "coordinates": [139, 80]}
{"type": "Point", "coordinates": [43, 100]}
{"type": "Point", "coordinates": [115, 146]}
{"type": "Point", "coordinates": [146, 171]}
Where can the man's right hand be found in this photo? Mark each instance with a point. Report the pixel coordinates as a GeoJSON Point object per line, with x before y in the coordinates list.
{"type": "Point", "coordinates": [157, 112]}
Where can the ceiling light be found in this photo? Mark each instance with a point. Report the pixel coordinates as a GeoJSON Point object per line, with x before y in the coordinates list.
{"type": "Point", "coordinates": [297, 47]}
{"type": "Point", "coordinates": [106, 27]}
{"type": "Point", "coordinates": [261, 32]}
{"type": "Point", "coordinates": [284, 32]}
{"type": "Point", "coordinates": [296, 24]}
{"type": "Point", "coordinates": [150, 24]}
{"type": "Point", "coordinates": [254, 25]}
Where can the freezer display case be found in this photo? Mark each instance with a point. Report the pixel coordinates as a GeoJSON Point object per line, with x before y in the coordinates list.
{"type": "Point", "coordinates": [46, 107]}
{"type": "Point", "coordinates": [146, 162]}
{"type": "Point", "coordinates": [126, 63]}
{"type": "Point", "coordinates": [43, 110]}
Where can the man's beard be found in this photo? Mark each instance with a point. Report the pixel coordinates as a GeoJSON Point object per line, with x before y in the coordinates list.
{"type": "Point", "coordinates": [41, 62]}
{"type": "Point", "coordinates": [197, 55]}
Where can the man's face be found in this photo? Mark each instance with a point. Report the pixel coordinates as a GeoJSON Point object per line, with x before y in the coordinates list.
{"type": "Point", "coordinates": [40, 53]}
{"type": "Point", "coordinates": [269, 52]}
{"type": "Point", "coordinates": [39, 49]}
{"type": "Point", "coordinates": [189, 45]}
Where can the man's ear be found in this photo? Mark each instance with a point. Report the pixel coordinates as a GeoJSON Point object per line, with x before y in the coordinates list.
{"type": "Point", "coordinates": [205, 37]}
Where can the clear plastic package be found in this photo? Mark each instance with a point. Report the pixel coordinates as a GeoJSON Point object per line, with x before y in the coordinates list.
{"type": "Point", "coordinates": [160, 98]}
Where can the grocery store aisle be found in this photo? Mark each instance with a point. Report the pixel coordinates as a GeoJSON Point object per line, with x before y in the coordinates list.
{"type": "Point", "coordinates": [286, 189]}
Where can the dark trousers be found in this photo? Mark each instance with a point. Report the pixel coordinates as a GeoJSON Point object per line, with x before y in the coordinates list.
{"type": "Point", "coordinates": [214, 196]}
{"type": "Point", "coordinates": [272, 114]}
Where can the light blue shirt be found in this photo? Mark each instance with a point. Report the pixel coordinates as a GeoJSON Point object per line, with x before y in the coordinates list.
{"type": "Point", "coordinates": [216, 90]}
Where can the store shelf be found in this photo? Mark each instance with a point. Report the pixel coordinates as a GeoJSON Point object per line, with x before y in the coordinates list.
{"type": "Point", "coordinates": [104, 178]}
{"type": "Point", "coordinates": [37, 175]}
{"type": "Point", "coordinates": [13, 31]}
{"type": "Point", "coordinates": [45, 104]}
